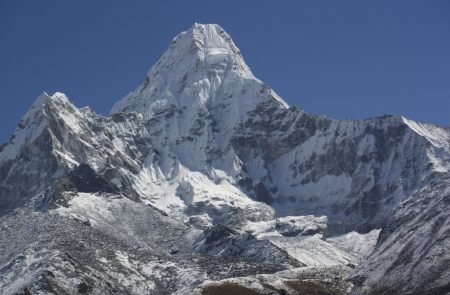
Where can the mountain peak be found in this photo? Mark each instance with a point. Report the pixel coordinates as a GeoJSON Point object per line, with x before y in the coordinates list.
{"type": "Point", "coordinates": [208, 36]}
{"type": "Point", "coordinates": [202, 66]}
{"type": "Point", "coordinates": [43, 100]}
{"type": "Point", "coordinates": [35, 121]}
{"type": "Point", "coordinates": [202, 46]}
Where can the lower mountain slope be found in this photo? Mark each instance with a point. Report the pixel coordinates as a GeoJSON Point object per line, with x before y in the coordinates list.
{"type": "Point", "coordinates": [412, 253]}
{"type": "Point", "coordinates": [101, 243]}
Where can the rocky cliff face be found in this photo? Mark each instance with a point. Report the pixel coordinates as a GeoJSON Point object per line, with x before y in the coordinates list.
{"type": "Point", "coordinates": [224, 166]}
{"type": "Point", "coordinates": [55, 136]}
{"type": "Point", "coordinates": [354, 172]}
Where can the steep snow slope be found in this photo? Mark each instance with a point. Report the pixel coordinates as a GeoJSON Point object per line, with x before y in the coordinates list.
{"type": "Point", "coordinates": [193, 97]}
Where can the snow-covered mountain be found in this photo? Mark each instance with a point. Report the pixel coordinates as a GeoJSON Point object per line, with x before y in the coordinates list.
{"type": "Point", "coordinates": [204, 179]}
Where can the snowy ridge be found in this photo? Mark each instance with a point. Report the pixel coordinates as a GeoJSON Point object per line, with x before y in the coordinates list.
{"type": "Point", "coordinates": [437, 136]}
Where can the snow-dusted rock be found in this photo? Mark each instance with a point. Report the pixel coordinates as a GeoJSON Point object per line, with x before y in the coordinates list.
{"type": "Point", "coordinates": [412, 255]}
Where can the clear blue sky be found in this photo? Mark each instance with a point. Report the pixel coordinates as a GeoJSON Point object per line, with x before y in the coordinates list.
{"type": "Point", "coordinates": [345, 59]}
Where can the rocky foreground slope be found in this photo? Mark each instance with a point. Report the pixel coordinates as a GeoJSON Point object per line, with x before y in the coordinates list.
{"type": "Point", "coordinates": [203, 180]}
